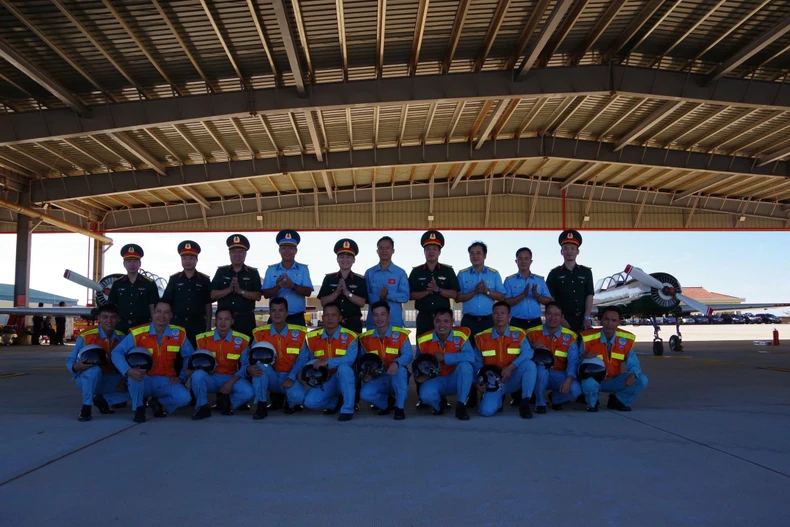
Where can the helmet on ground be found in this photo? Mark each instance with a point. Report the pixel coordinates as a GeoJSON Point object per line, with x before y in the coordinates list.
{"type": "Point", "coordinates": [424, 367]}
{"type": "Point", "coordinates": [490, 376]}
{"type": "Point", "coordinates": [140, 358]}
{"type": "Point", "coordinates": [264, 353]}
{"type": "Point", "coordinates": [202, 360]}
{"type": "Point", "coordinates": [93, 354]}
{"type": "Point", "coordinates": [370, 367]}
{"type": "Point", "coordinates": [314, 377]}
{"type": "Point", "coordinates": [543, 356]}
{"type": "Point", "coordinates": [592, 369]}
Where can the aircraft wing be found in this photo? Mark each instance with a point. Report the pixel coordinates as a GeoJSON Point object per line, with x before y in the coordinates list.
{"type": "Point", "coordinates": [75, 311]}
{"type": "Point", "coordinates": [685, 310]}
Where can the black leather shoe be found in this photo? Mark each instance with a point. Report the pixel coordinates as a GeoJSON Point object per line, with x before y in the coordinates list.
{"type": "Point", "coordinates": [540, 409]}
{"type": "Point", "coordinates": [445, 404]}
{"type": "Point", "coordinates": [288, 410]}
{"type": "Point", "coordinates": [440, 411]}
{"type": "Point", "coordinates": [85, 413]}
{"type": "Point", "coordinates": [139, 414]}
{"type": "Point", "coordinates": [244, 407]}
{"type": "Point", "coordinates": [421, 405]}
{"type": "Point", "coordinates": [119, 405]}
{"type": "Point", "coordinates": [400, 415]}
{"type": "Point", "coordinates": [383, 411]}
{"type": "Point", "coordinates": [277, 401]}
{"type": "Point", "coordinates": [515, 398]}
{"type": "Point", "coordinates": [202, 412]}
{"type": "Point", "coordinates": [523, 410]}
{"type": "Point", "coordinates": [156, 406]}
{"type": "Point", "coordinates": [345, 417]}
{"type": "Point", "coordinates": [616, 404]}
{"type": "Point", "coordinates": [336, 409]}
{"type": "Point", "coordinates": [593, 408]}
{"type": "Point", "coordinates": [261, 411]}
{"type": "Point", "coordinates": [101, 403]}
{"type": "Point", "coordinates": [460, 412]}
{"type": "Point", "coordinates": [555, 407]}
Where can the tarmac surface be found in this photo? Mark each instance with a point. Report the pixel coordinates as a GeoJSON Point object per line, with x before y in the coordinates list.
{"type": "Point", "coordinates": [706, 444]}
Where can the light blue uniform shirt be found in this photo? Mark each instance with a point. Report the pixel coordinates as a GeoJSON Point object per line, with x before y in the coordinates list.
{"type": "Point", "coordinates": [574, 351]}
{"type": "Point", "coordinates": [80, 343]}
{"type": "Point", "coordinates": [481, 304]}
{"type": "Point", "coordinates": [397, 290]}
{"type": "Point", "coordinates": [126, 345]}
{"type": "Point", "coordinates": [406, 352]}
{"type": "Point", "coordinates": [631, 362]}
{"type": "Point", "coordinates": [529, 307]}
{"type": "Point", "coordinates": [299, 275]}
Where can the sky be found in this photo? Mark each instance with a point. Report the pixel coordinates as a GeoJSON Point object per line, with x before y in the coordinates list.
{"type": "Point", "coordinates": [747, 264]}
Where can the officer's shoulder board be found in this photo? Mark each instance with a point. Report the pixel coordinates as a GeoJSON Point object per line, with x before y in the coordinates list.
{"type": "Point", "coordinates": [464, 270]}
{"type": "Point", "coordinates": [273, 265]}
{"type": "Point", "coordinates": [492, 270]}
{"type": "Point", "coordinates": [447, 265]}
{"type": "Point", "coordinates": [145, 278]}
{"type": "Point", "coordinates": [204, 275]}
{"type": "Point", "coordinates": [174, 275]}
{"type": "Point", "coordinates": [358, 275]}
{"type": "Point", "coordinates": [511, 276]}
{"type": "Point", "coordinates": [537, 276]}
{"type": "Point", "coordinates": [300, 264]}
{"type": "Point", "coordinates": [418, 266]}
{"type": "Point", "coordinates": [251, 268]}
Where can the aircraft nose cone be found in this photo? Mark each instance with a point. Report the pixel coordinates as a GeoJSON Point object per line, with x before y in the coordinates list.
{"type": "Point", "coordinates": [669, 290]}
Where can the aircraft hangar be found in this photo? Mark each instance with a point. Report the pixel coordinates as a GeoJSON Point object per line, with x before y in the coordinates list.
{"type": "Point", "coordinates": [151, 115]}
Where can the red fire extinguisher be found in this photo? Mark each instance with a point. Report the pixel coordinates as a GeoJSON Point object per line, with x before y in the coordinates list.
{"type": "Point", "coordinates": [776, 337]}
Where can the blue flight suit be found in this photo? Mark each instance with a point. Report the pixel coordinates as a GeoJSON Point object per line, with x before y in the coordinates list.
{"type": "Point", "coordinates": [523, 377]}
{"type": "Point", "coordinates": [477, 310]}
{"type": "Point", "coordinates": [528, 309]}
{"type": "Point", "coordinates": [397, 291]}
{"type": "Point", "coordinates": [459, 382]}
{"type": "Point", "coordinates": [378, 390]}
{"type": "Point", "coordinates": [204, 383]}
{"type": "Point", "coordinates": [93, 381]}
{"type": "Point", "coordinates": [616, 385]}
{"type": "Point", "coordinates": [172, 396]}
{"type": "Point", "coordinates": [553, 379]}
{"type": "Point", "coordinates": [271, 380]}
{"type": "Point", "coordinates": [342, 382]}
{"type": "Point", "coordinates": [299, 275]}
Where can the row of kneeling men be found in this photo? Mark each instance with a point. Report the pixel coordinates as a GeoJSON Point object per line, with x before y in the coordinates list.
{"type": "Point", "coordinates": [332, 368]}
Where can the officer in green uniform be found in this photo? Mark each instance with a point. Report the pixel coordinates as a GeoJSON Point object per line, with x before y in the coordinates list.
{"type": "Point", "coordinates": [571, 285]}
{"type": "Point", "coordinates": [189, 292]}
{"type": "Point", "coordinates": [134, 294]}
{"type": "Point", "coordinates": [346, 288]}
{"type": "Point", "coordinates": [237, 286]}
{"type": "Point", "coordinates": [432, 284]}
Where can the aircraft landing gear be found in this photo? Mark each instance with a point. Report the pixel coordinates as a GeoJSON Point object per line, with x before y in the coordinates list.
{"type": "Point", "coordinates": [658, 344]}
{"type": "Point", "coordinates": [676, 341]}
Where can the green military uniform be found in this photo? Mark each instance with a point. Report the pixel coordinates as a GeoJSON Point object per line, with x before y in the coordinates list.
{"type": "Point", "coordinates": [570, 288]}
{"type": "Point", "coordinates": [189, 296]}
{"type": "Point", "coordinates": [133, 298]}
{"type": "Point", "coordinates": [420, 277]}
{"type": "Point", "coordinates": [249, 280]}
{"type": "Point", "coordinates": [350, 312]}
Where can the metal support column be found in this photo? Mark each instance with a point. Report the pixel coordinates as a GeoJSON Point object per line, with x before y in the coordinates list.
{"type": "Point", "coordinates": [23, 239]}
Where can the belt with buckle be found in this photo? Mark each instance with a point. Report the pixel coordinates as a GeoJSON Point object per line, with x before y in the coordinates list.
{"type": "Point", "coordinates": [478, 318]}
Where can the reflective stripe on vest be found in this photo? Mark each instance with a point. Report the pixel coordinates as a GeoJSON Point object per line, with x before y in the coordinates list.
{"type": "Point", "coordinates": [559, 353]}
{"type": "Point", "coordinates": [514, 351]}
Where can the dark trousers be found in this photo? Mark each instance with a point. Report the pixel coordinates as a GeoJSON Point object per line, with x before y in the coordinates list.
{"type": "Point", "coordinates": [525, 323]}
{"type": "Point", "coordinates": [244, 322]}
{"type": "Point", "coordinates": [353, 323]}
{"type": "Point", "coordinates": [60, 334]}
{"type": "Point", "coordinates": [476, 324]}
{"type": "Point", "coordinates": [297, 319]}
{"type": "Point", "coordinates": [575, 322]}
{"type": "Point", "coordinates": [194, 326]}
{"type": "Point", "coordinates": [424, 322]}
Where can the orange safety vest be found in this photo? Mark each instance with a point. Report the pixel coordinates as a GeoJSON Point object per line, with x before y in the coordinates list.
{"type": "Point", "coordinates": [427, 345]}
{"type": "Point", "coordinates": [388, 348]}
{"type": "Point", "coordinates": [164, 354]}
{"type": "Point", "coordinates": [325, 349]}
{"type": "Point", "coordinates": [228, 354]}
{"type": "Point", "coordinates": [558, 346]}
{"type": "Point", "coordinates": [287, 347]}
{"type": "Point", "coordinates": [615, 361]}
{"type": "Point", "coordinates": [500, 351]}
{"type": "Point", "coordinates": [92, 336]}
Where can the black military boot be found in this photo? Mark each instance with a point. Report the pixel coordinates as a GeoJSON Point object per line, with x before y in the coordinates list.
{"type": "Point", "coordinates": [523, 409]}
{"type": "Point", "coordinates": [202, 412]}
{"type": "Point", "coordinates": [156, 406]}
{"type": "Point", "coordinates": [460, 412]}
{"type": "Point", "coordinates": [139, 414]}
{"type": "Point", "coordinates": [101, 403]}
{"type": "Point", "coordinates": [85, 413]}
{"type": "Point", "coordinates": [261, 411]}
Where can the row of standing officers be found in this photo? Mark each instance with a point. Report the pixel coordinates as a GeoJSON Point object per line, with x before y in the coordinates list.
{"type": "Point", "coordinates": [432, 285]}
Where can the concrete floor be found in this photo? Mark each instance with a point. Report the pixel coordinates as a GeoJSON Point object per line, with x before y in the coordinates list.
{"type": "Point", "coordinates": [706, 444]}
